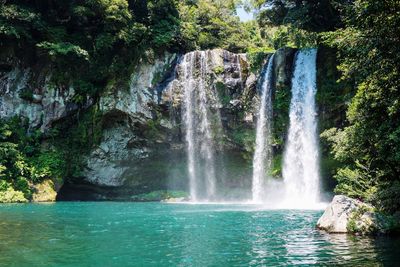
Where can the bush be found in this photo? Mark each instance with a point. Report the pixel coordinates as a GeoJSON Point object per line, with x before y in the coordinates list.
{"type": "Point", "coordinates": [24, 162]}
{"type": "Point", "coordinates": [11, 196]}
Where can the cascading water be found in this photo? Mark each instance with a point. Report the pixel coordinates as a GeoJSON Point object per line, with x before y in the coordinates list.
{"type": "Point", "coordinates": [301, 157]}
{"type": "Point", "coordinates": [197, 118]}
{"type": "Point", "coordinates": [263, 151]}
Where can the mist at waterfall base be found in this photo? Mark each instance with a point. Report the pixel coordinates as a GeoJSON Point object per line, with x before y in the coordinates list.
{"type": "Point", "coordinates": [301, 180]}
{"type": "Point", "coordinates": [213, 173]}
{"type": "Point", "coordinates": [300, 168]}
{"type": "Point", "coordinates": [209, 167]}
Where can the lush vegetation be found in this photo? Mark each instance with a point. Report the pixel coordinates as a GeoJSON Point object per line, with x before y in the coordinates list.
{"type": "Point", "coordinates": [24, 162]}
{"type": "Point", "coordinates": [366, 144]}
{"type": "Point", "coordinates": [369, 147]}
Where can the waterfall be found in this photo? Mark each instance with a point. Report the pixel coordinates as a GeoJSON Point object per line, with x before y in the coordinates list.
{"type": "Point", "coordinates": [301, 157]}
{"type": "Point", "coordinates": [198, 118]}
{"type": "Point", "coordinates": [263, 151]}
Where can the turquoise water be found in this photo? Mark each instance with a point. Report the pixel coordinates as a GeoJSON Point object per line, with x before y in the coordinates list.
{"type": "Point", "coordinates": [156, 234]}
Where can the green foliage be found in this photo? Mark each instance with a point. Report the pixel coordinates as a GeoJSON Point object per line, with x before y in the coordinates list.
{"type": "Point", "coordinates": [22, 160]}
{"type": "Point", "coordinates": [281, 106]}
{"type": "Point", "coordinates": [354, 218]}
{"type": "Point", "coordinates": [9, 195]}
{"type": "Point", "coordinates": [244, 137]}
{"type": "Point", "coordinates": [257, 57]}
{"type": "Point", "coordinates": [369, 146]}
{"type": "Point", "coordinates": [218, 70]}
{"type": "Point", "coordinates": [316, 16]}
{"type": "Point", "coordinates": [290, 36]}
{"type": "Point", "coordinates": [89, 42]}
{"type": "Point", "coordinates": [355, 183]}
{"type": "Point", "coordinates": [387, 197]}
{"type": "Point", "coordinates": [207, 24]}
{"type": "Point", "coordinates": [16, 21]}
{"type": "Point", "coordinates": [49, 164]}
{"type": "Point", "coordinates": [55, 50]}
{"type": "Point", "coordinates": [276, 170]}
{"type": "Point", "coordinates": [26, 94]}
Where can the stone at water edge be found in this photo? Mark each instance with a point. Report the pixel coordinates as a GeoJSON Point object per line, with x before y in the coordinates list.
{"type": "Point", "coordinates": [337, 214]}
{"type": "Point", "coordinates": [348, 215]}
{"type": "Point", "coordinates": [175, 200]}
{"type": "Point", "coordinates": [44, 192]}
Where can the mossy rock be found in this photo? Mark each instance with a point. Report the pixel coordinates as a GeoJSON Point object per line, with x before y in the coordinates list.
{"type": "Point", "coordinates": [44, 192]}
{"type": "Point", "coordinates": [218, 70]}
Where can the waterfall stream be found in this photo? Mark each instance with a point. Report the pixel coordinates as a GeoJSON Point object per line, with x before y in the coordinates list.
{"type": "Point", "coordinates": [200, 127]}
{"type": "Point", "coordinates": [301, 157]}
{"type": "Point", "coordinates": [262, 159]}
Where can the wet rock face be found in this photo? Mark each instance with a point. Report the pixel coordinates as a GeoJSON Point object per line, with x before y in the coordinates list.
{"type": "Point", "coordinates": [143, 138]}
{"type": "Point", "coordinates": [31, 95]}
{"type": "Point", "coordinates": [283, 68]}
{"type": "Point", "coordinates": [131, 134]}
{"type": "Point", "coordinates": [145, 121]}
{"type": "Point", "coordinates": [227, 75]}
{"type": "Point", "coordinates": [142, 93]}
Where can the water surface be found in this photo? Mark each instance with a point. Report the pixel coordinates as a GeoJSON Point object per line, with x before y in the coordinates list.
{"type": "Point", "coordinates": [156, 234]}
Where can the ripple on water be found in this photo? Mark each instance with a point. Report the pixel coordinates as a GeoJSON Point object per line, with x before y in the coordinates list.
{"type": "Point", "coordinates": [155, 234]}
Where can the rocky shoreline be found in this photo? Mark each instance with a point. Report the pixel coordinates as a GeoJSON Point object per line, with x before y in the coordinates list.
{"type": "Point", "coordinates": [347, 215]}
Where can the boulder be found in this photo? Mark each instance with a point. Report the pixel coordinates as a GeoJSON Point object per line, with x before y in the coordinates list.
{"type": "Point", "coordinates": [337, 214]}
{"type": "Point", "coordinates": [44, 192]}
{"type": "Point", "coordinates": [348, 215]}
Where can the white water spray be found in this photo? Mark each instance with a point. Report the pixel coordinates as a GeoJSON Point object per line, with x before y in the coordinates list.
{"type": "Point", "coordinates": [301, 157]}
{"type": "Point", "coordinates": [263, 151]}
{"type": "Point", "coordinates": [199, 130]}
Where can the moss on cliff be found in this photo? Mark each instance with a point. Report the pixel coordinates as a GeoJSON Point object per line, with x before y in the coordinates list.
{"type": "Point", "coordinates": [72, 139]}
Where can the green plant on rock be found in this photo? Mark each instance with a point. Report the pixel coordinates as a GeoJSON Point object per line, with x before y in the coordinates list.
{"type": "Point", "coordinates": [281, 105]}
{"type": "Point", "coordinates": [26, 94]}
{"type": "Point", "coordinates": [257, 57]}
{"type": "Point", "coordinates": [23, 162]}
{"type": "Point", "coordinates": [244, 137]}
{"type": "Point", "coordinates": [219, 70]}
{"type": "Point", "coordinates": [354, 224]}
{"type": "Point", "coordinates": [276, 170]}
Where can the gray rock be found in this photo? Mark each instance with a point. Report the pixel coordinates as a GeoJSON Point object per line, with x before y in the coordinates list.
{"type": "Point", "coordinates": [232, 73]}
{"type": "Point", "coordinates": [337, 214]}
{"type": "Point", "coordinates": [117, 160]}
{"type": "Point", "coordinates": [283, 66]}
{"type": "Point", "coordinates": [48, 103]}
{"type": "Point", "coordinates": [347, 215]}
{"type": "Point", "coordinates": [142, 89]}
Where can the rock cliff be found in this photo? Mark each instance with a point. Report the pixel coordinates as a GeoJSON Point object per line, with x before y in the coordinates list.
{"type": "Point", "coordinates": [141, 145]}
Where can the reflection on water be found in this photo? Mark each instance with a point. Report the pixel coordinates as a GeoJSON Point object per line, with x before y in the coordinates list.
{"type": "Point", "coordinates": [154, 234]}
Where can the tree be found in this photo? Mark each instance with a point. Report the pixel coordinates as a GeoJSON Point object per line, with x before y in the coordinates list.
{"type": "Point", "coordinates": [369, 147]}
{"type": "Point", "coordinates": [310, 15]}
